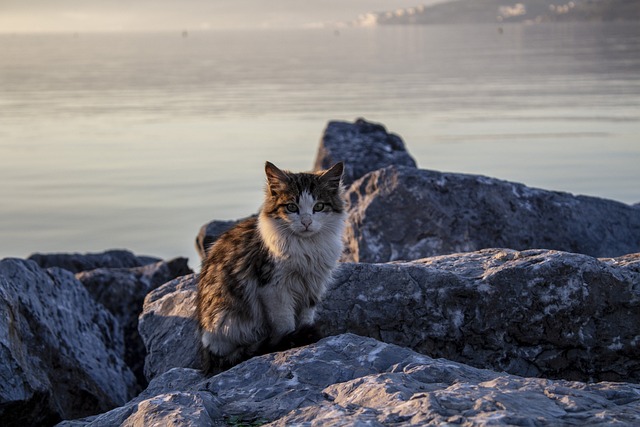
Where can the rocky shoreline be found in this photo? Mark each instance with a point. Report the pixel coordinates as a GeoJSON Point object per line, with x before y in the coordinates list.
{"type": "Point", "coordinates": [462, 299]}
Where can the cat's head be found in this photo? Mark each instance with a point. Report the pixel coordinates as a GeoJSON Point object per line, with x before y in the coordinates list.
{"type": "Point", "coordinates": [304, 204]}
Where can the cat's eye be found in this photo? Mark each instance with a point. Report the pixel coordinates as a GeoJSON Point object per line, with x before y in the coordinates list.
{"type": "Point", "coordinates": [318, 207]}
{"type": "Point", "coordinates": [292, 207]}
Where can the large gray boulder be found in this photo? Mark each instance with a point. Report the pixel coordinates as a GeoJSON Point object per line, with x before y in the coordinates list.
{"type": "Point", "coordinates": [534, 313]}
{"type": "Point", "coordinates": [61, 353]}
{"type": "Point", "coordinates": [403, 213]}
{"type": "Point", "coordinates": [122, 292]}
{"type": "Point", "coordinates": [76, 263]}
{"type": "Point", "coordinates": [363, 146]}
{"type": "Point", "coordinates": [349, 380]}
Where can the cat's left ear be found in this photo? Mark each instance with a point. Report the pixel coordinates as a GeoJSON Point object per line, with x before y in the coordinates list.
{"type": "Point", "coordinates": [334, 174]}
{"type": "Point", "coordinates": [276, 179]}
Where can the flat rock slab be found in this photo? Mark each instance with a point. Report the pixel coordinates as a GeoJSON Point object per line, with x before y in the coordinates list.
{"type": "Point", "coordinates": [349, 380]}
{"type": "Point", "coordinates": [533, 313]}
{"type": "Point", "coordinates": [404, 213]}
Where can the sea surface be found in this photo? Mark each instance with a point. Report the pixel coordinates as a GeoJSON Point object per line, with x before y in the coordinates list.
{"type": "Point", "coordinates": [136, 140]}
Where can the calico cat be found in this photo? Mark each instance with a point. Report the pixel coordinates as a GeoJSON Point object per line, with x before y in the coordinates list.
{"type": "Point", "coordinates": [261, 280]}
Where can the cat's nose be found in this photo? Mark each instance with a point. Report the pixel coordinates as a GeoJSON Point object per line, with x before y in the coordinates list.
{"type": "Point", "coordinates": [306, 220]}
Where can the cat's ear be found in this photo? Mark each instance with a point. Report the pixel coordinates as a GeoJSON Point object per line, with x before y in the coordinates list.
{"type": "Point", "coordinates": [276, 179]}
{"type": "Point", "coordinates": [333, 175]}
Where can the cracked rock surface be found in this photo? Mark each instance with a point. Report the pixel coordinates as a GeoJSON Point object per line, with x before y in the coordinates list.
{"type": "Point", "coordinates": [61, 353]}
{"type": "Point", "coordinates": [348, 380]}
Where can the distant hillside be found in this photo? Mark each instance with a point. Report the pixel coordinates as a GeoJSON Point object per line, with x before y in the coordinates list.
{"type": "Point", "coordinates": [491, 11]}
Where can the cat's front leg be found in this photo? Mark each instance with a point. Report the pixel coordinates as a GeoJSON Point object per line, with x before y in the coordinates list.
{"type": "Point", "coordinates": [307, 317]}
{"type": "Point", "coordinates": [280, 310]}
{"type": "Point", "coordinates": [283, 323]}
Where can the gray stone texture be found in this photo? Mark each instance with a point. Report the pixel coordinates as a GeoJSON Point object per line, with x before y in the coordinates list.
{"type": "Point", "coordinates": [168, 327]}
{"type": "Point", "coordinates": [349, 380]}
{"type": "Point", "coordinates": [533, 313]}
{"type": "Point", "coordinates": [122, 292]}
{"type": "Point", "coordinates": [61, 353]}
{"type": "Point", "coordinates": [363, 147]}
{"type": "Point", "coordinates": [403, 213]}
{"type": "Point", "coordinates": [76, 263]}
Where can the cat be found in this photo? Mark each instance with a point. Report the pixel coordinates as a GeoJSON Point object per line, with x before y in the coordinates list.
{"type": "Point", "coordinates": [262, 280]}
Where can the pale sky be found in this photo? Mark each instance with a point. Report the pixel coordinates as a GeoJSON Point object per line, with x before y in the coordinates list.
{"type": "Point", "coordinates": [144, 15]}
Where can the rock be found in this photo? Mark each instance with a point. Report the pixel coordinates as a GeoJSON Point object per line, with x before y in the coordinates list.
{"type": "Point", "coordinates": [160, 394]}
{"type": "Point", "coordinates": [533, 313]}
{"type": "Point", "coordinates": [349, 380]}
{"type": "Point", "coordinates": [210, 232]}
{"type": "Point", "coordinates": [168, 327]}
{"type": "Point", "coordinates": [60, 352]}
{"type": "Point", "coordinates": [122, 292]}
{"type": "Point", "coordinates": [402, 213]}
{"type": "Point", "coordinates": [363, 146]}
{"type": "Point", "coordinates": [83, 262]}
{"type": "Point", "coordinates": [109, 285]}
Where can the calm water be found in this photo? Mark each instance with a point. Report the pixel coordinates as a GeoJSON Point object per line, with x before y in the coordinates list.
{"type": "Point", "coordinates": [136, 140]}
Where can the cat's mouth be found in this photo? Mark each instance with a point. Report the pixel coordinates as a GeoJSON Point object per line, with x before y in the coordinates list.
{"type": "Point", "coordinates": [306, 232]}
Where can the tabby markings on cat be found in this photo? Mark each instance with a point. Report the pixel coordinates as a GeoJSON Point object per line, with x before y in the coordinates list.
{"type": "Point", "coordinates": [262, 280]}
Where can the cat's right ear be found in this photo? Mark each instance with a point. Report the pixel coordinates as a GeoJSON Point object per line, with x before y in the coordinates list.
{"type": "Point", "coordinates": [276, 179]}
{"type": "Point", "coordinates": [334, 174]}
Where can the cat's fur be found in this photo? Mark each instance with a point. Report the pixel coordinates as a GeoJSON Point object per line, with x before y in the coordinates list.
{"type": "Point", "coordinates": [261, 280]}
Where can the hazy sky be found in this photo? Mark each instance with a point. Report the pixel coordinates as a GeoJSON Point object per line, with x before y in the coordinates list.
{"type": "Point", "coordinates": [142, 15]}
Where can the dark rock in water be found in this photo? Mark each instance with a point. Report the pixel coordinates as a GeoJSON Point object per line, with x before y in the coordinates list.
{"type": "Point", "coordinates": [168, 327]}
{"type": "Point", "coordinates": [60, 352]}
{"type": "Point", "coordinates": [122, 292]}
{"type": "Point", "coordinates": [363, 146]}
{"type": "Point", "coordinates": [533, 313]}
{"type": "Point", "coordinates": [402, 213]}
{"type": "Point", "coordinates": [349, 380]}
{"type": "Point", "coordinates": [83, 262]}
{"type": "Point", "coordinates": [210, 232]}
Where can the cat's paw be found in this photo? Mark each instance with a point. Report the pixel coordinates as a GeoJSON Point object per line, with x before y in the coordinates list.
{"type": "Point", "coordinates": [304, 335]}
